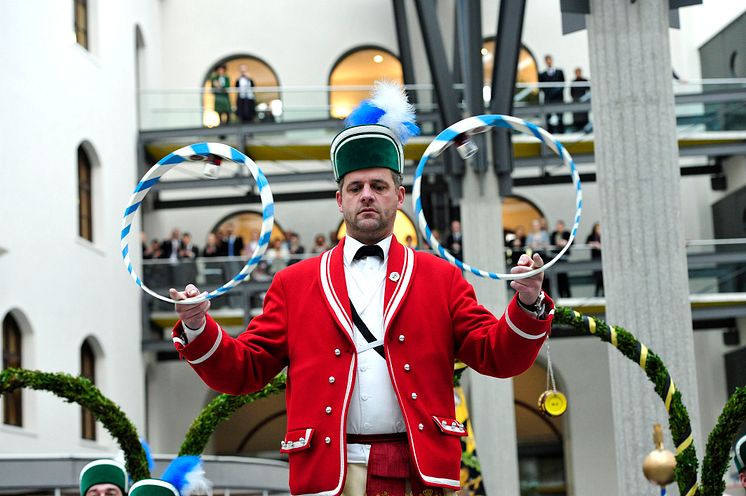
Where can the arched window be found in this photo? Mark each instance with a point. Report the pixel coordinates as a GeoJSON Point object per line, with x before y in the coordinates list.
{"type": "Point", "coordinates": [360, 67]}
{"type": "Point", "coordinates": [88, 370]}
{"type": "Point", "coordinates": [268, 105]}
{"type": "Point", "coordinates": [247, 225]}
{"type": "Point", "coordinates": [527, 72]}
{"type": "Point", "coordinates": [80, 16]}
{"type": "Point", "coordinates": [518, 213]}
{"type": "Point", "coordinates": [12, 342]}
{"type": "Point", "coordinates": [85, 194]}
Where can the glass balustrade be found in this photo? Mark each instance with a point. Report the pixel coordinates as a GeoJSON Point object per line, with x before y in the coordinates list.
{"type": "Point", "coordinates": [704, 105]}
{"type": "Point", "coordinates": [715, 267]}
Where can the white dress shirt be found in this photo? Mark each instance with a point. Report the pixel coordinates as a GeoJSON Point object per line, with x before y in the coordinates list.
{"type": "Point", "coordinates": [374, 408]}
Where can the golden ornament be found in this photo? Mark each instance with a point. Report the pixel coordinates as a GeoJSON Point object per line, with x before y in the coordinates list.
{"type": "Point", "coordinates": [552, 403]}
{"type": "Point", "coordinates": [660, 463]}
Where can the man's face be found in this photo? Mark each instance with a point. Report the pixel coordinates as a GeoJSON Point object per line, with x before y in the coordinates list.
{"type": "Point", "coordinates": [368, 201]}
{"type": "Point", "coordinates": [742, 478]}
{"type": "Point", "coordinates": [104, 490]}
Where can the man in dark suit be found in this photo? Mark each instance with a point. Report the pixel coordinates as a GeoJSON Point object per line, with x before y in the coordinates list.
{"type": "Point", "coordinates": [170, 247]}
{"type": "Point", "coordinates": [579, 91]}
{"type": "Point", "coordinates": [555, 94]}
{"type": "Point", "coordinates": [231, 245]}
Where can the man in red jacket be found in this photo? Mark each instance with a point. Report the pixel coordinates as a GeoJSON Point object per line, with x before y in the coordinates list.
{"type": "Point", "coordinates": [369, 332]}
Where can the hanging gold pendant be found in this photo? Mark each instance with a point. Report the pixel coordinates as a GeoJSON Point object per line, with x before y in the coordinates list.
{"type": "Point", "coordinates": [552, 403]}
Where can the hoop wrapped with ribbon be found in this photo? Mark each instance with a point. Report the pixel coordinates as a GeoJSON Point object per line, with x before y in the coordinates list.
{"type": "Point", "coordinates": [481, 124]}
{"type": "Point", "coordinates": [212, 155]}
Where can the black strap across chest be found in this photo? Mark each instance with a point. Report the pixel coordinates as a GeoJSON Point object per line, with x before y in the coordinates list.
{"type": "Point", "coordinates": [369, 337]}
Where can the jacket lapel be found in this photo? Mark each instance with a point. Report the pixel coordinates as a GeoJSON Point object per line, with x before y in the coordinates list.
{"type": "Point", "coordinates": [334, 287]}
{"type": "Point", "coordinates": [398, 280]}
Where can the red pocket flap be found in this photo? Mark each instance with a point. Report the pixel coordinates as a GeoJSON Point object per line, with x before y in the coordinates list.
{"type": "Point", "coordinates": [296, 440]}
{"type": "Point", "coordinates": [450, 426]}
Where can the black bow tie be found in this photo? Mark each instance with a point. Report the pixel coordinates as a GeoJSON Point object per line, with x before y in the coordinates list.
{"type": "Point", "coordinates": [369, 251]}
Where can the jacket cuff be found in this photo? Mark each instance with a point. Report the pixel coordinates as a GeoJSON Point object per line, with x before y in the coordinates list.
{"type": "Point", "coordinates": [527, 325]}
{"type": "Point", "coordinates": [203, 346]}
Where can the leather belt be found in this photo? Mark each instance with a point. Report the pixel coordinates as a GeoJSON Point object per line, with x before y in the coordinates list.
{"type": "Point", "coordinates": [376, 438]}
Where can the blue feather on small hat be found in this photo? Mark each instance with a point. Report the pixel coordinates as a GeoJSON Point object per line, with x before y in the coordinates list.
{"type": "Point", "coordinates": [186, 474]}
{"type": "Point", "coordinates": [388, 106]}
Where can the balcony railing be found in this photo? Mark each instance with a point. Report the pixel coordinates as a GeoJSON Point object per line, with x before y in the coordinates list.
{"type": "Point", "coordinates": [717, 282]}
{"type": "Point", "coordinates": [703, 105]}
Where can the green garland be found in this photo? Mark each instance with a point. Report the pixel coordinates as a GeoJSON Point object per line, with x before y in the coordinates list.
{"type": "Point", "coordinates": [220, 409]}
{"type": "Point", "coordinates": [83, 392]}
{"type": "Point", "coordinates": [719, 444]}
{"type": "Point", "coordinates": [678, 418]}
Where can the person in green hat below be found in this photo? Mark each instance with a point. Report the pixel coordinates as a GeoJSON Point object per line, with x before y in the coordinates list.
{"type": "Point", "coordinates": [740, 460]}
{"type": "Point", "coordinates": [184, 476]}
{"type": "Point", "coordinates": [103, 478]}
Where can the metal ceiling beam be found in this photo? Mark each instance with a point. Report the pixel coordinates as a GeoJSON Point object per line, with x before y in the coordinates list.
{"type": "Point", "coordinates": [443, 82]}
{"type": "Point", "coordinates": [405, 46]}
{"type": "Point", "coordinates": [469, 29]}
{"type": "Point", "coordinates": [438, 61]}
{"type": "Point", "coordinates": [507, 48]}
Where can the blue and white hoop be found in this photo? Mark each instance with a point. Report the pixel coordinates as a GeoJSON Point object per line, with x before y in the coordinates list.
{"type": "Point", "coordinates": [481, 124]}
{"type": "Point", "coordinates": [201, 152]}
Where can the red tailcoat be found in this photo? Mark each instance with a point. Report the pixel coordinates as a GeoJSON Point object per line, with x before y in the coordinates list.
{"type": "Point", "coordinates": [431, 317]}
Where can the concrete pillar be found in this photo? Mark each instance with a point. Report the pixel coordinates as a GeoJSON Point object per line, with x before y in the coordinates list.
{"type": "Point", "coordinates": [491, 400]}
{"type": "Point", "coordinates": [644, 261]}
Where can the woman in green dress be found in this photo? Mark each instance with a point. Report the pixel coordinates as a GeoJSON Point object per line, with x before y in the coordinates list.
{"type": "Point", "coordinates": [220, 84]}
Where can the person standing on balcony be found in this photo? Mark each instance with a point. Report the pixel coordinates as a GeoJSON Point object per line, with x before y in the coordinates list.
{"type": "Point", "coordinates": [579, 92]}
{"type": "Point", "coordinates": [594, 241]}
{"type": "Point", "coordinates": [220, 84]}
{"type": "Point", "coordinates": [369, 332]}
{"type": "Point", "coordinates": [231, 245]}
{"type": "Point", "coordinates": [170, 248]}
{"type": "Point", "coordinates": [246, 101]}
{"type": "Point", "coordinates": [559, 239]}
{"type": "Point", "coordinates": [455, 240]}
{"type": "Point", "coordinates": [554, 94]}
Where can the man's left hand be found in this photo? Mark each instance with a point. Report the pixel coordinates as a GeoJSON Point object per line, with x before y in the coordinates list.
{"type": "Point", "coordinates": [528, 289]}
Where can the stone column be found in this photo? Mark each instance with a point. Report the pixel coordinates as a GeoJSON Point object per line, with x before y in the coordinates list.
{"type": "Point", "coordinates": [491, 400]}
{"type": "Point", "coordinates": [644, 260]}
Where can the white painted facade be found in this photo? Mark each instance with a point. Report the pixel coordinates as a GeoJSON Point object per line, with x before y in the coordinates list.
{"type": "Point", "coordinates": [63, 289]}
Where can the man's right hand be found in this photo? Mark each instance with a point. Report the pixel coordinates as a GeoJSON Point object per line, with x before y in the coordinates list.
{"type": "Point", "coordinates": [192, 316]}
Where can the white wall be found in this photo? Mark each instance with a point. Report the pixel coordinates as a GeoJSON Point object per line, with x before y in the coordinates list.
{"type": "Point", "coordinates": [582, 368]}
{"type": "Point", "coordinates": [175, 397]}
{"type": "Point", "coordinates": [66, 287]}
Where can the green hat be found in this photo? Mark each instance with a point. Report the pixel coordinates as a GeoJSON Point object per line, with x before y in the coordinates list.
{"type": "Point", "coordinates": [366, 147]}
{"type": "Point", "coordinates": [740, 456]}
{"type": "Point", "coordinates": [153, 487]}
{"type": "Point", "coordinates": [103, 472]}
{"type": "Point", "coordinates": [376, 132]}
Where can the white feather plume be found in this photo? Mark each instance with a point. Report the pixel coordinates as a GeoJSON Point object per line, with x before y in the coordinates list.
{"type": "Point", "coordinates": [391, 98]}
{"type": "Point", "coordinates": [197, 483]}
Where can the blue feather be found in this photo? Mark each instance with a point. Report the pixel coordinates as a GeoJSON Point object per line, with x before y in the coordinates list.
{"type": "Point", "coordinates": [410, 129]}
{"type": "Point", "coordinates": [365, 113]}
{"type": "Point", "coordinates": [177, 471]}
{"type": "Point", "coordinates": [148, 455]}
